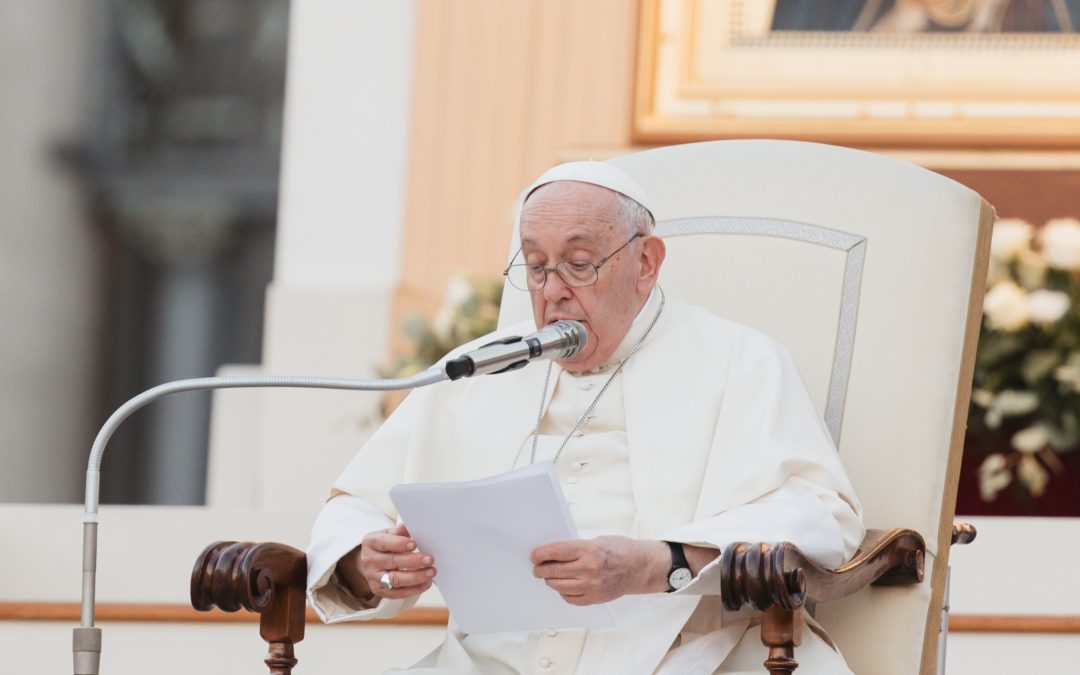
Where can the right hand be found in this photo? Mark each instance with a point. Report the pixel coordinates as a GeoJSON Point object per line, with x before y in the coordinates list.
{"type": "Point", "coordinates": [393, 551]}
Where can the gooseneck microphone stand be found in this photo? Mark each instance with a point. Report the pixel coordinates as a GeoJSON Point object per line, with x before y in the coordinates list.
{"type": "Point", "coordinates": [559, 340]}
{"type": "Point", "coordinates": [86, 642]}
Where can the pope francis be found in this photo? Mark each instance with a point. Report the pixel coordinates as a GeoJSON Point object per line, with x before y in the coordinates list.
{"type": "Point", "coordinates": [673, 433]}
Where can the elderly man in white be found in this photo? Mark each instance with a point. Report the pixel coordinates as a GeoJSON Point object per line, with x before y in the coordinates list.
{"type": "Point", "coordinates": [673, 433]}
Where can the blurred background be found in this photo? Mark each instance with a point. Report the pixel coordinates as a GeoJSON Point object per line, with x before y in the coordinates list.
{"type": "Point", "coordinates": [141, 152]}
{"type": "Point", "coordinates": [326, 187]}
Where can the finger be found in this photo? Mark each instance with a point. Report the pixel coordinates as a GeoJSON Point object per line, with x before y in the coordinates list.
{"type": "Point", "coordinates": [567, 586]}
{"type": "Point", "coordinates": [579, 600]}
{"type": "Point", "coordinates": [560, 551]}
{"type": "Point", "coordinates": [556, 570]}
{"type": "Point", "coordinates": [397, 561]}
{"type": "Point", "coordinates": [387, 542]}
{"type": "Point", "coordinates": [400, 530]}
{"type": "Point", "coordinates": [405, 579]}
{"type": "Point", "coordinates": [402, 593]}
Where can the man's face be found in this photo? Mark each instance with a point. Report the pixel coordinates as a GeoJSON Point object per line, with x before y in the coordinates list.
{"type": "Point", "coordinates": [568, 220]}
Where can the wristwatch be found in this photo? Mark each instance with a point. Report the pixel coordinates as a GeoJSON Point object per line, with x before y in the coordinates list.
{"type": "Point", "coordinates": [679, 575]}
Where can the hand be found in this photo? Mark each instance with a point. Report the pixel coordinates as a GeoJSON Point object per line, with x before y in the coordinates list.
{"type": "Point", "coordinates": [393, 551]}
{"type": "Point", "coordinates": [590, 571]}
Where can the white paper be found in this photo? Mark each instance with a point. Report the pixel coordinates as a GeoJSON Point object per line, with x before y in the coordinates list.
{"type": "Point", "coordinates": [481, 534]}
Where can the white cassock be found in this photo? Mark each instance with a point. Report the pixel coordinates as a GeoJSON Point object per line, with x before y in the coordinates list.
{"type": "Point", "coordinates": [707, 437]}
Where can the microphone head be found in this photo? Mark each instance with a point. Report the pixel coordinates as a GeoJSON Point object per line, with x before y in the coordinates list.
{"type": "Point", "coordinates": [573, 337]}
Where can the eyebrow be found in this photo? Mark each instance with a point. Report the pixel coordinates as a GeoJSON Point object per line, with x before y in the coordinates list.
{"type": "Point", "coordinates": [575, 238]}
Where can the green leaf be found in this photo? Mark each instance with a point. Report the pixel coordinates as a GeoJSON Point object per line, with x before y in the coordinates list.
{"type": "Point", "coordinates": [996, 347]}
{"type": "Point", "coordinates": [1038, 364]}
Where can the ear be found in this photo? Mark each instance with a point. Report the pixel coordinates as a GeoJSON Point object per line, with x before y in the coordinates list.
{"type": "Point", "coordinates": [653, 252]}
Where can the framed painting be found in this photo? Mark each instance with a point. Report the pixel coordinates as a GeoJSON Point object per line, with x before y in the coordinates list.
{"type": "Point", "coordinates": [959, 73]}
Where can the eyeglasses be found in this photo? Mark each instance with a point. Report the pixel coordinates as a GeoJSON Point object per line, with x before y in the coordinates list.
{"type": "Point", "coordinates": [575, 273]}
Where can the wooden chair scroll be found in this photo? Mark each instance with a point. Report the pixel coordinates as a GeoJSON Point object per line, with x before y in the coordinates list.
{"type": "Point", "coordinates": [267, 579]}
{"type": "Point", "coordinates": [779, 580]}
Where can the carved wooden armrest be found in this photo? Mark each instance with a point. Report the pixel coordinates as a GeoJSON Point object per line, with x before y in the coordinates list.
{"type": "Point", "coordinates": [761, 576]}
{"type": "Point", "coordinates": [780, 579]}
{"type": "Point", "coordinates": [267, 579]}
{"type": "Point", "coordinates": [963, 533]}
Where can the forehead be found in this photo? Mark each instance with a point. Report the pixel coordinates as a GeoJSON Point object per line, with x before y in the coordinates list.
{"type": "Point", "coordinates": [569, 208]}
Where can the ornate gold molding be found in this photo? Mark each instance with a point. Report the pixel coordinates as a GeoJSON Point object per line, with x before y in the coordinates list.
{"type": "Point", "coordinates": [714, 69]}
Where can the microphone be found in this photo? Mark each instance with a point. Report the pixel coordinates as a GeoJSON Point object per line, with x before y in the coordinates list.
{"type": "Point", "coordinates": [560, 340]}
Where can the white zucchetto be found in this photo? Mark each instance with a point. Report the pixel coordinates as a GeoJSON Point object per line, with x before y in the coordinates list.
{"type": "Point", "coordinates": [596, 173]}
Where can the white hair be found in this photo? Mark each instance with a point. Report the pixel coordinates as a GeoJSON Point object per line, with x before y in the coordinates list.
{"type": "Point", "coordinates": [631, 214]}
{"type": "Point", "coordinates": [634, 216]}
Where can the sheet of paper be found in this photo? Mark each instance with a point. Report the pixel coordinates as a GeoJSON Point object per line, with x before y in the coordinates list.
{"type": "Point", "coordinates": [481, 534]}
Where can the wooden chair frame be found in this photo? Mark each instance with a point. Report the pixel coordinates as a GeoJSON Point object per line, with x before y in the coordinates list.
{"type": "Point", "coordinates": [269, 579]}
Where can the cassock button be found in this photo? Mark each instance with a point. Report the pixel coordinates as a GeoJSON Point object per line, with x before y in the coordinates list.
{"type": "Point", "coordinates": [545, 663]}
{"type": "Point", "coordinates": [572, 480]}
{"type": "Point", "coordinates": [586, 385]}
{"type": "Point", "coordinates": [578, 466]}
{"type": "Point", "coordinates": [552, 633]}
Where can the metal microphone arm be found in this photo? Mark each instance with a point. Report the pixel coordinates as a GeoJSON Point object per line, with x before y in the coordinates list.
{"type": "Point", "coordinates": [86, 640]}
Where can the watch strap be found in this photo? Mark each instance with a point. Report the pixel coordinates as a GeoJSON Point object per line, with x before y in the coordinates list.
{"type": "Point", "coordinates": [678, 561]}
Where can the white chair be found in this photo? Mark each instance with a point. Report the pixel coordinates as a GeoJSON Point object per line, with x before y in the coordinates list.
{"type": "Point", "coordinates": [871, 271]}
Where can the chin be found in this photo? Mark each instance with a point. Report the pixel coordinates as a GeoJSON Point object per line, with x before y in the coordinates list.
{"type": "Point", "coordinates": [576, 363]}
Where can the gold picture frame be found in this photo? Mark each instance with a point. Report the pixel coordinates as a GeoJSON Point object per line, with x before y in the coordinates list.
{"type": "Point", "coordinates": [716, 69]}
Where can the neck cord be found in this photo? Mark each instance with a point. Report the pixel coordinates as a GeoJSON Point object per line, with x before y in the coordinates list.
{"type": "Point", "coordinates": [592, 406]}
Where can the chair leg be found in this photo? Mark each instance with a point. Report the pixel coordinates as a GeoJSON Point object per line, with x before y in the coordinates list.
{"type": "Point", "coordinates": [282, 626]}
{"type": "Point", "coordinates": [280, 660]}
{"type": "Point", "coordinates": [781, 632]}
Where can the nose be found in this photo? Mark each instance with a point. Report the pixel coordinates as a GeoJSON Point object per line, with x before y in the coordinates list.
{"type": "Point", "coordinates": [555, 289]}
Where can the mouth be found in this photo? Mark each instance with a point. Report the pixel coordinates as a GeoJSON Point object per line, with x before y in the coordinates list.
{"type": "Point", "coordinates": [566, 318]}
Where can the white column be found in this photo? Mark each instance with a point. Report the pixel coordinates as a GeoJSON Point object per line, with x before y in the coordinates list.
{"type": "Point", "coordinates": [50, 294]}
{"type": "Point", "coordinates": [340, 221]}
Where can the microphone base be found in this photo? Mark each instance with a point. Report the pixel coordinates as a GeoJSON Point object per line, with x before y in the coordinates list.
{"type": "Point", "coordinates": [86, 650]}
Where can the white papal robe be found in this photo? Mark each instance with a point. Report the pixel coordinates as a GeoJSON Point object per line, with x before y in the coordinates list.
{"type": "Point", "coordinates": [707, 437]}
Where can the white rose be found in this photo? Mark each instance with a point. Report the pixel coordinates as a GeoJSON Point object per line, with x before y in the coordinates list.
{"type": "Point", "coordinates": [1060, 240]}
{"type": "Point", "coordinates": [1031, 439]}
{"type": "Point", "coordinates": [1016, 401]}
{"type": "Point", "coordinates": [994, 476]}
{"type": "Point", "coordinates": [1069, 372]}
{"type": "Point", "coordinates": [1030, 269]}
{"type": "Point", "coordinates": [982, 397]}
{"type": "Point", "coordinates": [1010, 403]}
{"type": "Point", "coordinates": [1005, 306]}
{"type": "Point", "coordinates": [458, 290]}
{"type": "Point", "coordinates": [1011, 235]}
{"type": "Point", "coordinates": [444, 321]}
{"type": "Point", "coordinates": [1032, 475]}
{"type": "Point", "coordinates": [1046, 307]}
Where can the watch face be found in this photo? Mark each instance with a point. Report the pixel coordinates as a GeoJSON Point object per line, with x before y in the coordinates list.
{"type": "Point", "coordinates": [680, 577]}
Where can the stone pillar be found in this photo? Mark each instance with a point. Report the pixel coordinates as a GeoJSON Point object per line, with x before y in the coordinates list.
{"type": "Point", "coordinates": [50, 256]}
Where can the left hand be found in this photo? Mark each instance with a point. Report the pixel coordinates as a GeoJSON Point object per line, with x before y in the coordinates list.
{"type": "Point", "coordinates": [591, 571]}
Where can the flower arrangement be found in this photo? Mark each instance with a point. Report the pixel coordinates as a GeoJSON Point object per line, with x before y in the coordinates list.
{"type": "Point", "coordinates": [470, 309]}
{"type": "Point", "coordinates": [1027, 368]}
